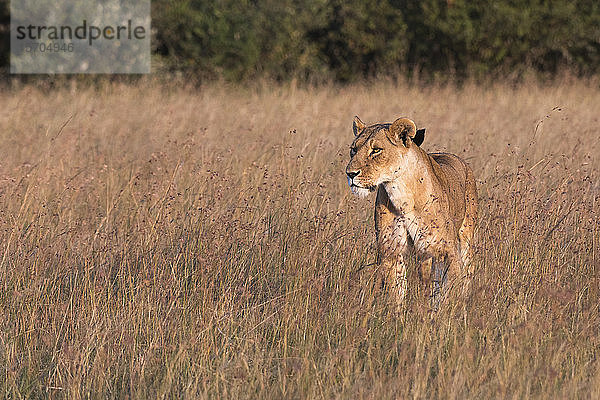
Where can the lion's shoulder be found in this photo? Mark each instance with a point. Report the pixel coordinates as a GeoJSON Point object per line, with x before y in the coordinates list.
{"type": "Point", "coordinates": [448, 159]}
{"type": "Point", "coordinates": [453, 166]}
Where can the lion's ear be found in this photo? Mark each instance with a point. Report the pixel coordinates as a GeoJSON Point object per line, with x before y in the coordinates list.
{"type": "Point", "coordinates": [357, 126]}
{"type": "Point", "coordinates": [401, 130]}
{"type": "Point", "coordinates": [419, 137]}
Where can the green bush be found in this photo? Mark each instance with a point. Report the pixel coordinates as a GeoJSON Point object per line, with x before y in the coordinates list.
{"type": "Point", "coordinates": [347, 40]}
{"type": "Point", "coordinates": [4, 36]}
{"type": "Point", "coordinates": [280, 39]}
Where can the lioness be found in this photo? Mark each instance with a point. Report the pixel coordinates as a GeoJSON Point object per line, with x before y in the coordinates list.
{"type": "Point", "coordinates": [424, 201]}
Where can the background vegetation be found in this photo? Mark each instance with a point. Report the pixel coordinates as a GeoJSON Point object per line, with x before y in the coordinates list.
{"type": "Point", "coordinates": [165, 241]}
{"type": "Point", "coordinates": [156, 244]}
{"type": "Point", "coordinates": [321, 40]}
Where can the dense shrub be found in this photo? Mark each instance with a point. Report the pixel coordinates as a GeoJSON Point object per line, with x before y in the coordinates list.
{"type": "Point", "coordinates": [346, 40]}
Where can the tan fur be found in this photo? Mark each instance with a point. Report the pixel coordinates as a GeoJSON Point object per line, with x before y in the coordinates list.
{"type": "Point", "coordinates": [424, 201]}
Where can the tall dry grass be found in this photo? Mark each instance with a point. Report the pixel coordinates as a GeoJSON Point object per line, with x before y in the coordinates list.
{"type": "Point", "coordinates": [168, 242]}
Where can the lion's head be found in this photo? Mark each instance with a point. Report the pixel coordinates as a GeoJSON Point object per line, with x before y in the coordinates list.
{"type": "Point", "coordinates": [377, 154]}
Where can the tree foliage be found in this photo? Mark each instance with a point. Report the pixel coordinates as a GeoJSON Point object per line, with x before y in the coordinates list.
{"type": "Point", "coordinates": [348, 40]}
{"type": "Point", "coordinates": [345, 40]}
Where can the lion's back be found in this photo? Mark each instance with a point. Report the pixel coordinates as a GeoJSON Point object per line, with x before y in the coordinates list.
{"type": "Point", "coordinates": [458, 182]}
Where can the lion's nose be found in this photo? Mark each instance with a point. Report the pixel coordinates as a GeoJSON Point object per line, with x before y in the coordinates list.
{"type": "Point", "coordinates": [352, 174]}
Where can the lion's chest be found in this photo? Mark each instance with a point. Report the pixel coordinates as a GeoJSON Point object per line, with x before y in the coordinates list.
{"type": "Point", "coordinates": [394, 238]}
{"type": "Point", "coordinates": [412, 225]}
{"type": "Point", "coordinates": [409, 223]}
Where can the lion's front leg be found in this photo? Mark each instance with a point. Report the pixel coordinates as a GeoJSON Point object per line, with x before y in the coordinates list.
{"type": "Point", "coordinates": [448, 273]}
{"type": "Point", "coordinates": [392, 248]}
{"type": "Point", "coordinates": [394, 271]}
{"type": "Point", "coordinates": [392, 243]}
{"type": "Point", "coordinates": [425, 273]}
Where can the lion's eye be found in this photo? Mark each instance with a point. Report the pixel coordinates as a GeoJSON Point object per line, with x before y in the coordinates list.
{"type": "Point", "coordinates": [352, 151]}
{"type": "Point", "coordinates": [376, 151]}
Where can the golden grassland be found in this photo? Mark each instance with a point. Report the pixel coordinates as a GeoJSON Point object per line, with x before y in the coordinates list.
{"type": "Point", "coordinates": [172, 242]}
